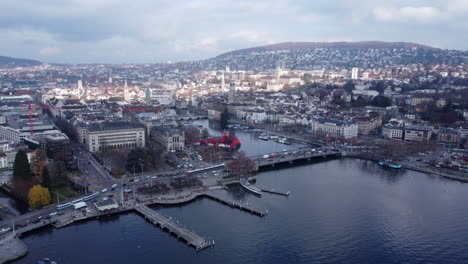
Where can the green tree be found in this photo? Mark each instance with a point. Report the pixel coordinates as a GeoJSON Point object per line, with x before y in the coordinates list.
{"type": "Point", "coordinates": [224, 120]}
{"type": "Point", "coordinates": [21, 166]}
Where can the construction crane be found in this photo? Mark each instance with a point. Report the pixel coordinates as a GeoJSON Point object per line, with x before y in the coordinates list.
{"type": "Point", "coordinates": [30, 107]}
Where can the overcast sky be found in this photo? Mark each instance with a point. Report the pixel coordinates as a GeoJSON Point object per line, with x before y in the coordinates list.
{"type": "Point", "coordinates": [129, 31]}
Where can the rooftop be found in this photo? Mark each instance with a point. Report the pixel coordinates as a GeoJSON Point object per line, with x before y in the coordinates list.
{"type": "Point", "coordinates": [113, 126]}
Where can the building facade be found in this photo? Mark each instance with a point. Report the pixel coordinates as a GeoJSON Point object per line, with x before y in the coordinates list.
{"type": "Point", "coordinates": [334, 128]}
{"type": "Point", "coordinates": [114, 135]}
{"type": "Point", "coordinates": [417, 133]}
{"type": "Point", "coordinates": [171, 138]}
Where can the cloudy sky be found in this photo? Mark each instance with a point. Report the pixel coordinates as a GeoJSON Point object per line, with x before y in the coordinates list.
{"type": "Point", "coordinates": [129, 31]}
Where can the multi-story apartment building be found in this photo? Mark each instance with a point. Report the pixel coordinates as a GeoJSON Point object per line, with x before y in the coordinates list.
{"type": "Point", "coordinates": [113, 135]}
{"type": "Point", "coordinates": [367, 124]}
{"type": "Point", "coordinates": [417, 133]}
{"type": "Point", "coordinates": [394, 129]}
{"type": "Point", "coordinates": [449, 136]}
{"type": "Point", "coordinates": [334, 128]}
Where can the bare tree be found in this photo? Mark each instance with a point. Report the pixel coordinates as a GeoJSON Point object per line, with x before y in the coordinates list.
{"type": "Point", "coordinates": [241, 165]}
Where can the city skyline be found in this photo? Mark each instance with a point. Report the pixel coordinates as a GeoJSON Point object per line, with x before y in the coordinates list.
{"type": "Point", "coordinates": [109, 31]}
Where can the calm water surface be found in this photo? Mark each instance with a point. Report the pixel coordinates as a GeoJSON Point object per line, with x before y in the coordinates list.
{"type": "Point", "coordinates": [339, 211]}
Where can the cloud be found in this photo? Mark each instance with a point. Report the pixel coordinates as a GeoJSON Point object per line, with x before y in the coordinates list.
{"type": "Point", "coordinates": [421, 14]}
{"type": "Point", "coordinates": [50, 51]}
{"type": "Point", "coordinates": [116, 31]}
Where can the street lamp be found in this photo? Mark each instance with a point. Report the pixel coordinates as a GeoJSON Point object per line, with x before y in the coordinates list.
{"type": "Point", "coordinates": [141, 163]}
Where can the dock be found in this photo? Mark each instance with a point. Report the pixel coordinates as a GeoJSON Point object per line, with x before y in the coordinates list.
{"type": "Point", "coordinates": [273, 191]}
{"type": "Point", "coordinates": [11, 248]}
{"type": "Point", "coordinates": [173, 228]}
{"type": "Point", "coordinates": [251, 188]}
{"type": "Point", "coordinates": [235, 204]}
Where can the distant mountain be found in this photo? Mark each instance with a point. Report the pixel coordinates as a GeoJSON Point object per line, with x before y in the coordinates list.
{"type": "Point", "coordinates": [9, 62]}
{"type": "Point", "coordinates": [292, 46]}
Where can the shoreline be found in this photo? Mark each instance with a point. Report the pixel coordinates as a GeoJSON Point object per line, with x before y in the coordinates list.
{"type": "Point", "coordinates": [429, 171]}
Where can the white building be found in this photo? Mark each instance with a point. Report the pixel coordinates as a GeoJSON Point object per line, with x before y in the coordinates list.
{"type": "Point", "coordinates": [17, 131]}
{"type": "Point", "coordinates": [417, 133]}
{"type": "Point", "coordinates": [334, 128]}
{"type": "Point", "coordinates": [355, 73]}
{"type": "Point", "coordinates": [113, 135]}
{"type": "Point", "coordinates": [394, 129]}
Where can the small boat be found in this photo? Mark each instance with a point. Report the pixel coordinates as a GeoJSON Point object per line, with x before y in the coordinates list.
{"type": "Point", "coordinates": [390, 164]}
{"type": "Point", "coordinates": [262, 137]}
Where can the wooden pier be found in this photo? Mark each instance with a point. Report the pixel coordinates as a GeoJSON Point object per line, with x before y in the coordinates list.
{"type": "Point", "coordinates": [170, 226]}
{"type": "Point", "coordinates": [235, 204]}
{"type": "Point", "coordinates": [273, 191]}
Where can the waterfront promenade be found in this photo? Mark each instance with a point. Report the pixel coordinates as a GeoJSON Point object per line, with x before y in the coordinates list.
{"type": "Point", "coordinates": [424, 168]}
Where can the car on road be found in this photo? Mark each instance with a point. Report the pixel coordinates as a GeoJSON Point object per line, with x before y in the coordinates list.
{"type": "Point", "coordinates": [114, 185]}
{"type": "Point", "coordinates": [4, 230]}
{"type": "Point", "coordinates": [53, 214]}
{"type": "Point", "coordinates": [137, 180]}
{"type": "Point", "coordinates": [104, 190]}
{"type": "Point", "coordinates": [154, 177]}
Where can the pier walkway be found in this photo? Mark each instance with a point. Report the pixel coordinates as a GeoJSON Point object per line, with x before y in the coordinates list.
{"type": "Point", "coordinates": [235, 204]}
{"type": "Point", "coordinates": [165, 223]}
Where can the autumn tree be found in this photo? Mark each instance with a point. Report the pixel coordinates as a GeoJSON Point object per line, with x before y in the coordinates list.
{"type": "Point", "coordinates": [117, 172]}
{"type": "Point", "coordinates": [191, 133]}
{"type": "Point", "coordinates": [241, 165]}
{"type": "Point", "coordinates": [38, 161]}
{"type": "Point", "coordinates": [38, 197]}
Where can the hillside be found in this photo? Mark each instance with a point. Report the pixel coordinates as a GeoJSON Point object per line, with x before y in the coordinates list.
{"type": "Point", "coordinates": [293, 46]}
{"type": "Point", "coordinates": [328, 55]}
{"type": "Point", "coordinates": [9, 62]}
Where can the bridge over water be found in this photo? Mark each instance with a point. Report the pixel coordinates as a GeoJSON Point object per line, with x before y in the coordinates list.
{"type": "Point", "coordinates": [292, 156]}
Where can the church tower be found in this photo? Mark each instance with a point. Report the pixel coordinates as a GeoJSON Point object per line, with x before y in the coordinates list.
{"type": "Point", "coordinates": [79, 88]}
{"type": "Point", "coordinates": [126, 93]}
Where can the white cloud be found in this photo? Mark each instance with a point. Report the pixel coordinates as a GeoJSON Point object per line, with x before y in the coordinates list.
{"type": "Point", "coordinates": [207, 44]}
{"type": "Point", "coordinates": [50, 51]}
{"type": "Point", "coordinates": [250, 36]}
{"type": "Point", "coordinates": [421, 14]}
